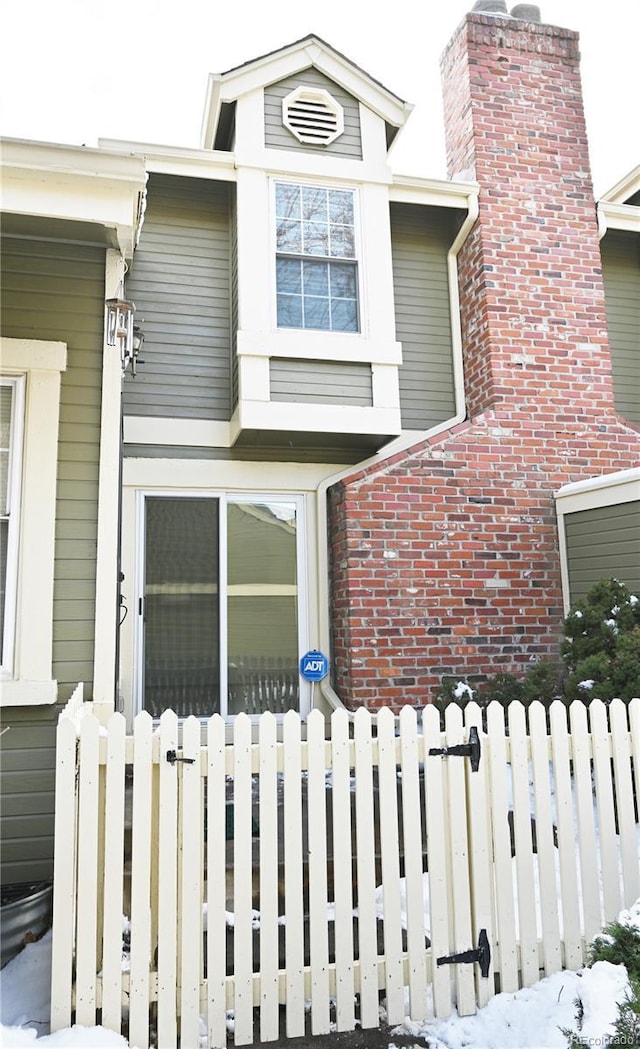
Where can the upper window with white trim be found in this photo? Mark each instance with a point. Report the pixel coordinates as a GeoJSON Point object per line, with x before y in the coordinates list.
{"type": "Point", "coordinates": [316, 264]}
{"type": "Point", "coordinates": [11, 419]}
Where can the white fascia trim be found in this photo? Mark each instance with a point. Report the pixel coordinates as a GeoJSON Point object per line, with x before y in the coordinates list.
{"type": "Point", "coordinates": [96, 164]}
{"type": "Point", "coordinates": [618, 216]}
{"type": "Point", "coordinates": [318, 346]}
{"type": "Point", "coordinates": [42, 363]}
{"type": "Point", "coordinates": [228, 87]}
{"type": "Point", "coordinates": [216, 165]}
{"type": "Point", "coordinates": [74, 184]}
{"type": "Point", "coordinates": [224, 474]}
{"type": "Point", "coordinates": [606, 490]}
{"type": "Point", "coordinates": [187, 433]}
{"type": "Point", "coordinates": [625, 188]}
{"type": "Point", "coordinates": [441, 194]}
{"type": "Point", "coordinates": [318, 418]}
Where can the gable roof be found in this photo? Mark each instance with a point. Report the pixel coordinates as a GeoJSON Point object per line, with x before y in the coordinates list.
{"type": "Point", "coordinates": [224, 89]}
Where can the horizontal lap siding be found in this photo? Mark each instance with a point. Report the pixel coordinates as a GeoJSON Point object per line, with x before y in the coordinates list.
{"type": "Point", "coordinates": [180, 283]}
{"type": "Point", "coordinates": [603, 542]}
{"type": "Point", "coordinates": [621, 268]}
{"type": "Point", "coordinates": [420, 242]}
{"type": "Point", "coordinates": [55, 291]}
{"type": "Point", "coordinates": [320, 382]}
{"type": "Point", "coordinates": [277, 136]}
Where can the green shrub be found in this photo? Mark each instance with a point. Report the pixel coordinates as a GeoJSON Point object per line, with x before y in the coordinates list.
{"type": "Point", "coordinates": [601, 649]}
{"type": "Point", "coordinates": [598, 658]}
{"type": "Point", "coordinates": [620, 945]}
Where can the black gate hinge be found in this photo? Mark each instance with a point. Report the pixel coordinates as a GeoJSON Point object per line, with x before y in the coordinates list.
{"type": "Point", "coordinates": [172, 757]}
{"type": "Point", "coordinates": [465, 750]}
{"type": "Point", "coordinates": [482, 955]}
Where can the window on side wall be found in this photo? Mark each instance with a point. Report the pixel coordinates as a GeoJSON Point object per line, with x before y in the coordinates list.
{"type": "Point", "coordinates": [316, 264]}
{"type": "Point", "coordinates": [11, 430]}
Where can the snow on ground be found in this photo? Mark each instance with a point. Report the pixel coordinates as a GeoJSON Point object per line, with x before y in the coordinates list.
{"type": "Point", "coordinates": [530, 1019]}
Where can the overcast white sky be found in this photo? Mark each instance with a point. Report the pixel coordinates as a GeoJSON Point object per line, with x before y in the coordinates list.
{"type": "Point", "coordinates": [77, 70]}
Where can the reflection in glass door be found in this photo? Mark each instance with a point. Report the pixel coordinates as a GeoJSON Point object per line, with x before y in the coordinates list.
{"type": "Point", "coordinates": [181, 606]}
{"type": "Point", "coordinates": [262, 607]}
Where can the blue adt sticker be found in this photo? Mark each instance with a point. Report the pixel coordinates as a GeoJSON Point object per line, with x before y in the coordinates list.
{"type": "Point", "coordinates": [314, 666]}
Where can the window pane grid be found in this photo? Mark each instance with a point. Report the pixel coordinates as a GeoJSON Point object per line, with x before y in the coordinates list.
{"type": "Point", "coordinates": [316, 275]}
{"type": "Point", "coordinates": [317, 295]}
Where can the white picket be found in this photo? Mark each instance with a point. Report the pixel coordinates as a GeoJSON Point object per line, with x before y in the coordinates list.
{"type": "Point", "coordinates": [216, 890]}
{"type": "Point", "coordinates": [113, 878]}
{"type": "Point", "coordinates": [294, 928]}
{"type": "Point", "coordinates": [527, 903]}
{"type": "Point", "coordinates": [440, 930]}
{"type": "Point", "coordinates": [480, 854]}
{"type": "Point", "coordinates": [602, 756]}
{"type": "Point", "coordinates": [342, 872]}
{"type": "Point", "coordinates": [589, 875]}
{"type": "Point", "coordinates": [412, 840]}
{"type": "Point", "coordinates": [546, 852]}
{"type": "Point", "coordinates": [317, 859]}
{"type": "Point", "coordinates": [459, 857]}
{"type": "Point", "coordinates": [366, 870]}
{"type": "Point", "coordinates": [242, 882]}
{"type": "Point", "coordinates": [64, 875]}
{"type": "Point", "coordinates": [167, 880]}
{"type": "Point", "coordinates": [621, 747]}
{"type": "Point", "coordinates": [571, 934]}
{"type": "Point", "coordinates": [86, 941]}
{"type": "Point", "coordinates": [470, 878]}
{"type": "Point", "coordinates": [507, 961]}
{"type": "Point", "coordinates": [140, 948]}
{"type": "Point", "coordinates": [268, 855]}
{"type": "Point", "coordinates": [389, 842]}
{"type": "Point", "coordinates": [191, 883]}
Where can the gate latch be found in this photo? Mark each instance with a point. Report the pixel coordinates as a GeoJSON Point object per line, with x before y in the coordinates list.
{"type": "Point", "coordinates": [172, 757]}
{"type": "Point", "coordinates": [465, 750]}
{"type": "Point", "coordinates": [482, 955]}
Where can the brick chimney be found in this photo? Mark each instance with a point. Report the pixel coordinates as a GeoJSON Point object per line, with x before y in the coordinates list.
{"type": "Point", "coordinates": [444, 558]}
{"type": "Point", "coordinates": [532, 297]}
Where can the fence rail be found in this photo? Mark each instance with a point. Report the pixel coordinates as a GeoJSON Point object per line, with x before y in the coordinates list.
{"type": "Point", "coordinates": [275, 886]}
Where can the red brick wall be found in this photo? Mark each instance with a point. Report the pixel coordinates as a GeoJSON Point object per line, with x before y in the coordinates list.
{"type": "Point", "coordinates": [445, 560]}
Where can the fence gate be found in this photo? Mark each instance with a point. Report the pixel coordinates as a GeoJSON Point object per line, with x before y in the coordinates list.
{"type": "Point", "coordinates": [278, 886]}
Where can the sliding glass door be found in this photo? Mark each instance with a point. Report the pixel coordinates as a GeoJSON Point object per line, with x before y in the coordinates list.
{"type": "Point", "coordinates": [220, 625]}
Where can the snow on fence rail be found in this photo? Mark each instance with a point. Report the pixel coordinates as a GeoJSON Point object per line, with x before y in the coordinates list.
{"type": "Point", "coordinates": [279, 884]}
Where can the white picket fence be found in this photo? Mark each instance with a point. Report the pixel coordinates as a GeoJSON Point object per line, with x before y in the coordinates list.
{"type": "Point", "coordinates": [249, 860]}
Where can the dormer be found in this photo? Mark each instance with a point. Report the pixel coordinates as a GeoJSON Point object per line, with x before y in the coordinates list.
{"type": "Point", "coordinates": [310, 133]}
{"type": "Point", "coordinates": [312, 76]}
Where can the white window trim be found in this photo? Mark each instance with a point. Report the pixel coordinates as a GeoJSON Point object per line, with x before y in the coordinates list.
{"type": "Point", "coordinates": [14, 485]}
{"type": "Point", "coordinates": [224, 497]}
{"type": "Point", "coordinates": [40, 365]}
{"type": "Point", "coordinates": [357, 260]}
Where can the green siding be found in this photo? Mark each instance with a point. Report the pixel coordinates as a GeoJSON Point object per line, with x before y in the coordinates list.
{"type": "Point", "coordinates": [55, 291]}
{"type": "Point", "coordinates": [603, 542]}
{"type": "Point", "coordinates": [621, 269]}
{"type": "Point", "coordinates": [421, 238]}
{"type": "Point", "coordinates": [320, 382]}
{"type": "Point", "coordinates": [277, 136]}
{"type": "Point", "coordinates": [180, 283]}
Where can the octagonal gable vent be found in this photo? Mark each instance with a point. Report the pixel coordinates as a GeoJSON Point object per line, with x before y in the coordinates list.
{"type": "Point", "coordinates": [313, 116]}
